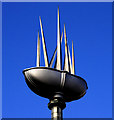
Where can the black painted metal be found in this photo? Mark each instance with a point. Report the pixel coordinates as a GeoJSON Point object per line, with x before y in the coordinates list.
{"type": "Point", "coordinates": [56, 105]}
{"type": "Point", "coordinates": [46, 82]}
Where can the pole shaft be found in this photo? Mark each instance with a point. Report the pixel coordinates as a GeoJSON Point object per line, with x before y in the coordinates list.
{"type": "Point", "coordinates": [56, 105]}
{"type": "Point", "coordinates": [56, 113]}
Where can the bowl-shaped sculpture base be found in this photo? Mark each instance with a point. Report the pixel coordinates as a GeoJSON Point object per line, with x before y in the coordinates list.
{"type": "Point", "coordinates": [46, 82]}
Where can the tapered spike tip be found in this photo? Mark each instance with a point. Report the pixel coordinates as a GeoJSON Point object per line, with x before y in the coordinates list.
{"type": "Point", "coordinates": [69, 60]}
{"type": "Point", "coordinates": [44, 46]}
{"type": "Point", "coordinates": [53, 57]}
{"type": "Point", "coordinates": [66, 63]}
{"type": "Point", "coordinates": [38, 51]}
{"type": "Point", "coordinates": [73, 62]}
{"type": "Point", "coordinates": [58, 65]}
{"type": "Point", "coordinates": [64, 29]}
{"type": "Point", "coordinates": [61, 37]}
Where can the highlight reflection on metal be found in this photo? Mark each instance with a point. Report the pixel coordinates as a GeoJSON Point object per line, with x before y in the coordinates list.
{"type": "Point", "coordinates": [66, 64]}
{"type": "Point", "coordinates": [44, 46]}
{"type": "Point", "coordinates": [73, 65]}
{"type": "Point", "coordinates": [58, 66]}
{"type": "Point", "coordinates": [38, 52]}
{"type": "Point", "coordinates": [59, 83]}
{"type": "Point", "coordinates": [52, 59]}
{"type": "Point", "coordinates": [69, 60]}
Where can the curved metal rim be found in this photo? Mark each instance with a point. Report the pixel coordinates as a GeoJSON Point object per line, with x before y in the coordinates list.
{"type": "Point", "coordinates": [54, 70]}
{"type": "Point", "coordinates": [66, 100]}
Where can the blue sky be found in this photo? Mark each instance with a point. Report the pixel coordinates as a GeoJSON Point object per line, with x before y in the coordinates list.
{"type": "Point", "coordinates": [89, 25]}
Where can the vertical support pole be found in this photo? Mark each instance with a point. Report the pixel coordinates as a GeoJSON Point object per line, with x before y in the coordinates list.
{"type": "Point", "coordinates": [56, 113]}
{"type": "Point", "coordinates": [56, 105]}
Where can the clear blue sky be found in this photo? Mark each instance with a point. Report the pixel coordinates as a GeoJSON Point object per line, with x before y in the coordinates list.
{"type": "Point", "coordinates": [89, 25]}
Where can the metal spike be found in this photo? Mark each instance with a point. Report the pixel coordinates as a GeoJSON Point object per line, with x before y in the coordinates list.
{"type": "Point", "coordinates": [44, 46]}
{"type": "Point", "coordinates": [66, 63]}
{"type": "Point", "coordinates": [53, 57]}
{"type": "Point", "coordinates": [73, 62]}
{"type": "Point", "coordinates": [38, 52]}
{"type": "Point", "coordinates": [69, 59]}
{"type": "Point", "coordinates": [58, 65]}
{"type": "Point", "coordinates": [55, 62]}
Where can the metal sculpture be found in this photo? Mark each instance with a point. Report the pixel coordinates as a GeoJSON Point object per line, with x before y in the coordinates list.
{"type": "Point", "coordinates": [58, 85]}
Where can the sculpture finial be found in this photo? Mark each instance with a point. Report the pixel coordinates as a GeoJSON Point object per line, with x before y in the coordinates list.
{"type": "Point", "coordinates": [66, 63]}
{"type": "Point", "coordinates": [73, 62]}
{"type": "Point", "coordinates": [58, 65]}
{"type": "Point", "coordinates": [38, 52]}
{"type": "Point", "coordinates": [44, 46]}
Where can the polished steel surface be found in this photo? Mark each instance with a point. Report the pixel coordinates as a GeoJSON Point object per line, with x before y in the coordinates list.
{"type": "Point", "coordinates": [56, 113]}
{"type": "Point", "coordinates": [56, 105]}
{"type": "Point", "coordinates": [59, 83]}
{"type": "Point", "coordinates": [38, 52]}
{"type": "Point", "coordinates": [70, 64]}
{"type": "Point", "coordinates": [53, 57]}
{"type": "Point", "coordinates": [66, 63]}
{"type": "Point", "coordinates": [44, 45]}
{"type": "Point", "coordinates": [47, 81]}
{"type": "Point", "coordinates": [73, 62]}
{"type": "Point", "coordinates": [58, 65]}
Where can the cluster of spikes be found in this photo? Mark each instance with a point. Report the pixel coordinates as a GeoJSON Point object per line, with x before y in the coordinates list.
{"type": "Point", "coordinates": [68, 66]}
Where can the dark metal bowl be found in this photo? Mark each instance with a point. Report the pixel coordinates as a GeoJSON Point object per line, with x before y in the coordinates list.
{"type": "Point", "coordinates": [46, 82]}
